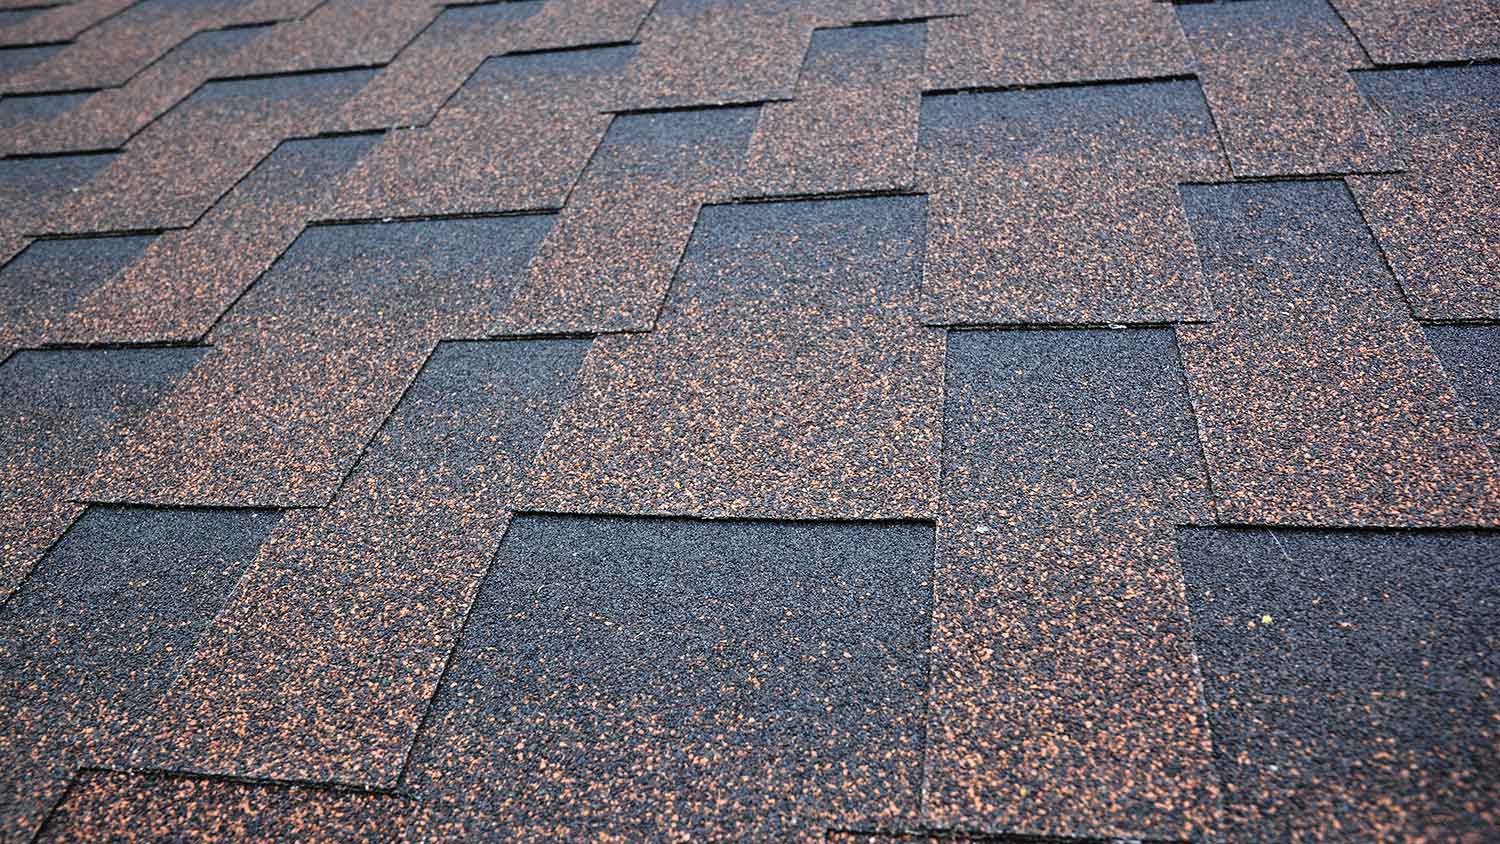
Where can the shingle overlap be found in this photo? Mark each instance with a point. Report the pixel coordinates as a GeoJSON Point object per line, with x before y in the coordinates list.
{"type": "Point", "coordinates": [749, 420]}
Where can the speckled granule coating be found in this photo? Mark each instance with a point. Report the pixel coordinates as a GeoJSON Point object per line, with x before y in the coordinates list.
{"type": "Point", "coordinates": [61, 411]}
{"type": "Point", "coordinates": [410, 90]}
{"type": "Point", "coordinates": [336, 34]}
{"type": "Point", "coordinates": [853, 123]}
{"type": "Point", "coordinates": [126, 808]}
{"type": "Point", "coordinates": [187, 278]}
{"type": "Point", "coordinates": [1065, 699]}
{"type": "Point", "coordinates": [1351, 681]}
{"type": "Point", "coordinates": [728, 681]}
{"type": "Point", "coordinates": [1439, 222]}
{"type": "Point", "coordinates": [1319, 400]}
{"type": "Point", "coordinates": [1275, 74]}
{"type": "Point", "coordinates": [89, 641]}
{"type": "Point", "coordinates": [120, 47]}
{"type": "Point", "coordinates": [310, 362]}
{"type": "Point", "coordinates": [1471, 356]}
{"type": "Point", "coordinates": [748, 420]}
{"type": "Point", "coordinates": [1059, 205]}
{"type": "Point", "coordinates": [107, 119]}
{"type": "Point", "coordinates": [33, 189]}
{"type": "Point", "coordinates": [181, 164]}
{"type": "Point", "coordinates": [54, 24]}
{"type": "Point", "coordinates": [1409, 31]}
{"type": "Point", "coordinates": [713, 52]}
{"type": "Point", "coordinates": [515, 136]}
{"type": "Point", "coordinates": [279, 686]}
{"type": "Point", "coordinates": [606, 264]}
{"type": "Point", "coordinates": [1031, 42]}
{"type": "Point", "coordinates": [42, 284]}
{"type": "Point", "coordinates": [787, 376]}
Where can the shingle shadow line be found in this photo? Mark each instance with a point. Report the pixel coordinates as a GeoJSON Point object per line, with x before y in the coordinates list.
{"type": "Point", "coordinates": [35, 7]}
{"type": "Point", "coordinates": [958, 836]}
{"type": "Point", "coordinates": [531, 336]}
{"type": "Point", "coordinates": [154, 231]}
{"type": "Point", "coordinates": [34, 156]}
{"type": "Point", "coordinates": [1064, 326]}
{"type": "Point", "coordinates": [54, 92]}
{"type": "Point", "coordinates": [283, 74]}
{"type": "Point", "coordinates": [1464, 322]}
{"type": "Point", "coordinates": [1383, 530]}
{"type": "Point", "coordinates": [1307, 177]}
{"type": "Point", "coordinates": [700, 518]}
{"type": "Point", "coordinates": [896, 21]}
{"type": "Point", "coordinates": [114, 346]}
{"type": "Point", "coordinates": [324, 785]}
{"type": "Point", "coordinates": [757, 199]}
{"type": "Point", "coordinates": [540, 211]}
{"type": "Point", "coordinates": [748, 103]}
{"type": "Point", "coordinates": [194, 508]}
{"type": "Point", "coordinates": [34, 44]}
{"type": "Point", "coordinates": [1047, 86]}
{"type": "Point", "coordinates": [1434, 64]}
{"type": "Point", "coordinates": [569, 48]}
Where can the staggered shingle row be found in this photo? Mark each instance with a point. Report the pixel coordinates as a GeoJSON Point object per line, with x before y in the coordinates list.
{"type": "Point", "coordinates": [699, 420]}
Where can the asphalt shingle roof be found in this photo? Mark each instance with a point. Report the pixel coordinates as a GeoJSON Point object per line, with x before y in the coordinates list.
{"type": "Point", "coordinates": [854, 421]}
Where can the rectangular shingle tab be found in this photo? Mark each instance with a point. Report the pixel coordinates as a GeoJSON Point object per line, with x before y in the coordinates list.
{"type": "Point", "coordinates": [1319, 400]}
{"type": "Point", "coordinates": [1059, 629]}
{"type": "Point", "coordinates": [787, 376]}
{"type": "Point", "coordinates": [650, 679]}
{"type": "Point", "coordinates": [415, 526]}
{"type": "Point", "coordinates": [1438, 223]}
{"type": "Point", "coordinates": [93, 636]}
{"type": "Point", "coordinates": [1276, 76]}
{"type": "Point", "coordinates": [1059, 205]}
{"type": "Point", "coordinates": [1350, 680]}
{"type": "Point", "coordinates": [307, 365]}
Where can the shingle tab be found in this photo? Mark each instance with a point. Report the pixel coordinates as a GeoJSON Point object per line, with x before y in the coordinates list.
{"type": "Point", "coordinates": [1059, 205]}
{"type": "Point", "coordinates": [91, 639]}
{"type": "Point", "coordinates": [648, 679]}
{"type": "Point", "coordinates": [307, 365]}
{"type": "Point", "coordinates": [1439, 223]}
{"type": "Point", "coordinates": [1065, 696]}
{"type": "Point", "coordinates": [1319, 400]}
{"type": "Point", "coordinates": [189, 277]}
{"type": "Point", "coordinates": [1034, 42]}
{"type": "Point", "coordinates": [414, 527]}
{"type": "Point", "coordinates": [177, 168]}
{"type": "Point", "coordinates": [514, 137]}
{"type": "Point", "coordinates": [853, 124]}
{"type": "Point", "coordinates": [606, 265]}
{"type": "Point", "coordinates": [1350, 681]}
{"type": "Point", "coordinates": [1275, 74]}
{"type": "Point", "coordinates": [60, 412]}
{"type": "Point", "coordinates": [787, 376]}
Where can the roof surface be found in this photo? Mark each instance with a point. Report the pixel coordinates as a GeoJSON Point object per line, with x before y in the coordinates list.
{"type": "Point", "coordinates": [861, 421]}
